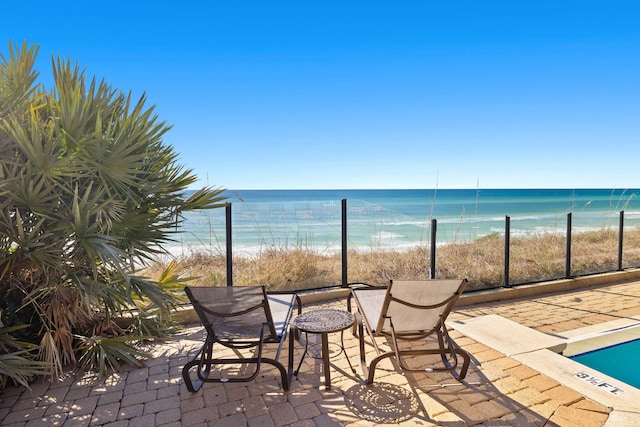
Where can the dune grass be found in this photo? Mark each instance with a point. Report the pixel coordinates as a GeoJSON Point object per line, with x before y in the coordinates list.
{"type": "Point", "coordinates": [533, 258]}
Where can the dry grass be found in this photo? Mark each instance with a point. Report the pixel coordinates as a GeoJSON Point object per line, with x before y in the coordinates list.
{"type": "Point", "coordinates": [533, 258]}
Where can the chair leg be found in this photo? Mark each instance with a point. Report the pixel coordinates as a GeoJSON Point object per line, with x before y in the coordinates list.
{"type": "Point", "coordinates": [374, 363]}
{"type": "Point", "coordinates": [293, 336]}
{"type": "Point", "coordinates": [363, 357]}
{"type": "Point", "coordinates": [354, 329]}
{"type": "Point", "coordinates": [447, 343]}
{"type": "Point", "coordinates": [187, 378]}
{"type": "Point", "coordinates": [465, 364]}
{"type": "Point", "coordinates": [203, 360]}
{"type": "Point", "coordinates": [283, 372]}
{"type": "Point", "coordinates": [284, 375]}
{"type": "Point", "coordinates": [447, 347]}
{"type": "Point", "coordinates": [186, 368]}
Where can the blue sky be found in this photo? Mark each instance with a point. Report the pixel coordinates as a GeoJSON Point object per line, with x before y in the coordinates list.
{"type": "Point", "coordinates": [369, 94]}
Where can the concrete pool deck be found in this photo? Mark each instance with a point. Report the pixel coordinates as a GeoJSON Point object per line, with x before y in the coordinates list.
{"type": "Point", "coordinates": [542, 353]}
{"type": "Point", "coordinates": [509, 383]}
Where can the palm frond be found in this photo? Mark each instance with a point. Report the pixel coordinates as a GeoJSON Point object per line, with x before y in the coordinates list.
{"type": "Point", "coordinates": [103, 355]}
{"type": "Point", "coordinates": [20, 367]}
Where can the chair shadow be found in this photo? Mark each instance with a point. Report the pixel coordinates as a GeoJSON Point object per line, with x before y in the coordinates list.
{"type": "Point", "coordinates": [384, 402]}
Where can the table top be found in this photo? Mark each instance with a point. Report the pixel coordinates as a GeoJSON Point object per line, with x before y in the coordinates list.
{"type": "Point", "coordinates": [324, 320]}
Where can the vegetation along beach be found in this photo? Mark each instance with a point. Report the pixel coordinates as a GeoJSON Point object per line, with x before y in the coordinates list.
{"type": "Point", "coordinates": [292, 238]}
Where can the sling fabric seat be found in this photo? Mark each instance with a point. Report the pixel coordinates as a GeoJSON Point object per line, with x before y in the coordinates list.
{"type": "Point", "coordinates": [239, 317]}
{"type": "Point", "coordinates": [409, 311]}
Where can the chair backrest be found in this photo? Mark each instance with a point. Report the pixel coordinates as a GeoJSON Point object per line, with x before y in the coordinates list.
{"type": "Point", "coordinates": [419, 305]}
{"type": "Point", "coordinates": [232, 312]}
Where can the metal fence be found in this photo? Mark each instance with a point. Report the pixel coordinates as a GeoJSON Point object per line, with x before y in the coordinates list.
{"type": "Point", "coordinates": [559, 253]}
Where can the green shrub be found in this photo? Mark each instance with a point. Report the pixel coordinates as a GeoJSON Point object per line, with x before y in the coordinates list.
{"type": "Point", "coordinates": [88, 191]}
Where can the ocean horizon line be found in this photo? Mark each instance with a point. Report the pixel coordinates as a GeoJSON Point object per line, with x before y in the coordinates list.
{"type": "Point", "coordinates": [402, 218]}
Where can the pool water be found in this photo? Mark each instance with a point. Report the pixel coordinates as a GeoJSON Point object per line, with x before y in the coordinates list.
{"type": "Point", "coordinates": [618, 361]}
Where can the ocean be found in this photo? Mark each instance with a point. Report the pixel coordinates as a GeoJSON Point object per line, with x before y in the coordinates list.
{"type": "Point", "coordinates": [399, 219]}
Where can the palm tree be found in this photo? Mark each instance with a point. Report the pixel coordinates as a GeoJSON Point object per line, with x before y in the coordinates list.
{"type": "Point", "coordinates": [88, 193]}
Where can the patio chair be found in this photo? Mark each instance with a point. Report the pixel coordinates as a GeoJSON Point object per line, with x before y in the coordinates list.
{"type": "Point", "coordinates": [239, 317]}
{"type": "Point", "coordinates": [409, 311]}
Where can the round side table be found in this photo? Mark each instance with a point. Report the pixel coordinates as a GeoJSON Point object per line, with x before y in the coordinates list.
{"type": "Point", "coordinates": [323, 321]}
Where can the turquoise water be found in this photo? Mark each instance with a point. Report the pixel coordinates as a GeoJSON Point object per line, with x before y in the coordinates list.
{"type": "Point", "coordinates": [398, 219]}
{"type": "Point", "coordinates": [619, 361]}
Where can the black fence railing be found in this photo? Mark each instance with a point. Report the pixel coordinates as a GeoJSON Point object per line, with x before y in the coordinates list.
{"type": "Point", "coordinates": [507, 267]}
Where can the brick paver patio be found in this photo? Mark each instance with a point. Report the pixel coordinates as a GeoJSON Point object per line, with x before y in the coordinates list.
{"type": "Point", "coordinates": [498, 391]}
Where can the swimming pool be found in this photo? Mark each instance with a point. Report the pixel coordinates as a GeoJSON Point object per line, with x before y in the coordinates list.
{"type": "Point", "coordinates": [613, 352]}
{"type": "Point", "coordinates": [618, 361]}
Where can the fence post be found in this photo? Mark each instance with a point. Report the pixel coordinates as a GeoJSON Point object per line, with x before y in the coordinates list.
{"type": "Point", "coordinates": [432, 260]}
{"type": "Point", "coordinates": [620, 240]}
{"type": "Point", "coordinates": [567, 268]}
{"type": "Point", "coordinates": [507, 248]}
{"type": "Point", "coordinates": [229, 245]}
{"type": "Point", "coordinates": [344, 242]}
